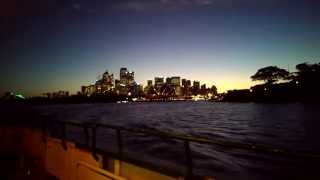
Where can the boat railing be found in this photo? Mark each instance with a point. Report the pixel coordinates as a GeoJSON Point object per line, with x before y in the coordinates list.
{"type": "Point", "coordinates": [90, 134]}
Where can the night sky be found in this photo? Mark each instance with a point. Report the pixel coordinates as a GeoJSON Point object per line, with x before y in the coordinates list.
{"type": "Point", "coordinates": [63, 44]}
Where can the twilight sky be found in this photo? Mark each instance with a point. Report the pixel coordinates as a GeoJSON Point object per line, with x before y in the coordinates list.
{"type": "Point", "coordinates": [63, 44]}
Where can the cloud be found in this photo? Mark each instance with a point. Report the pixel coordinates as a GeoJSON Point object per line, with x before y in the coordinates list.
{"type": "Point", "coordinates": [52, 7]}
{"type": "Point", "coordinates": [76, 6]}
{"type": "Point", "coordinates": [150, 5]}
{"type": "Point", "coordinates": [138, 5]}
{"type": "Point", "coordinates": [147, 5]}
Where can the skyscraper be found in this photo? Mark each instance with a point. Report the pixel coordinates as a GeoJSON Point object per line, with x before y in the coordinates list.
{"type": "Point", "coordinates": [168, 80]}
{"type": "Point", "coordinates": [175, 81]}
{"type": "Point", "coordinates": [123, 74]}
{"type": "Point", "coordinates": [126, 77]}
{"type": "Point", "coordinates": [196, 85]}
{"type": "Point", "coordinates": [158, 82]}
{"type": "Point", "coordinates": [196, 88]}
{"type": "Point", "coordinates": [107, 82]}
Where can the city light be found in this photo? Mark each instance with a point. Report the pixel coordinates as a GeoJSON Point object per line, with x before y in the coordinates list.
{"type": "Point", "coordinates": [169, 88]}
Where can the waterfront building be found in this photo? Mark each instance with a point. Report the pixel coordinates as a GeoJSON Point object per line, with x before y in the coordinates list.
{"type": "Point", "coordinates": [175, 81]}
{"type": "Point", "coordinates": [196, 87]}
{"type": "Point", "coordinates": [127, 83]}
{"type": "Point", "coordinates": [123, 90]}
{"type": "Point", "coordinates": [196, 84]}
{"type": "Point", "coordinates": [135, 90]}
{"type": "Point", "coordinates": [178, 91]}
{"type": "Point", "coordinates": [117, 86]}
{"type": "Point", "coordinates": [149, 89]}
{"type": "Point", "coordinates": [106, 83]}
{"type": "Point", "coordinates": [88, 90]}
{"type": "Point", "coordinates": [130, 78]}
{"type": "Point", "coordinates": [203, 87]}
{"type": "Point", "coordinates": [188, 84]}
{"type": "Point", "coordinates": [116, 82]}
{"type": "Point", "coordinates": [158, 82]}
{"type": "Point", "coordinates": [186, 87]}
{"type": "Point", "coordinates": [203, 90]}
{"type": "Point", "coordinates": [123, 73]}
{"type": "Point", "coordinates": [184, 82]}
{"type": "Point", "coordinates": [168, 80]}
{"type": "Point", "coordinates": [126, 77]}
{"type": "Point", "coordinates": [103, 85]}
{"type": "Point", "coordinates": [98, 87]}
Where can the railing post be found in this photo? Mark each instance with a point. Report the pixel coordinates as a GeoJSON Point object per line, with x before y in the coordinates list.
{"type": "Point", "coordinates": [93, 141]}
{"type": "Point", "coordinates": [86, 134]}
{"type": "Point", "coordinates": [189, 159]}
{"type": "Point", "coordinates": [63, 135]}
{"type": "Point", "coordinates": [44, 130]}
{"type": "Point", "coordinates": [119, 141]}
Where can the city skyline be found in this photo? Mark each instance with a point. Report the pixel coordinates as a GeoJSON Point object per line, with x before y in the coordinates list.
{"type": "Point", "coordinates": [117, 76]}
{"type": "Point", "coordinates": [125, 84]}
{"type": "Point", "coordinates": [50, 46]}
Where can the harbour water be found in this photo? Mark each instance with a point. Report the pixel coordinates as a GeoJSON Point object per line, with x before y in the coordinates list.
{"type": "Point", "coordinates": [290, 126]}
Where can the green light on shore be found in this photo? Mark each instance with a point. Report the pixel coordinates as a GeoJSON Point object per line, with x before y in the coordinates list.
{"type": "Point", "coordinates": [19, 96]}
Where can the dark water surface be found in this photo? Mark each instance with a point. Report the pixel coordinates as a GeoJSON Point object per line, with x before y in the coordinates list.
{"type": "Point", "coordinates": [290, 126]}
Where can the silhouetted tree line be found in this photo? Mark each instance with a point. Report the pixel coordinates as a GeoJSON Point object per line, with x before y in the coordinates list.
{"type": "Point", "coordinates": [281, 86]}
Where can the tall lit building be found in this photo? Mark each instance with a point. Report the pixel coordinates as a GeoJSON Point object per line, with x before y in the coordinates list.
{"type": "Point", "coordinates": [196, 85]}
{"type": "Point", "coordinates": [103, 85]}
{"type": "Point", "coordinates": [158, 82]}
{"type": "Point", "coordinates": [186, 85]}
{"type": "Point", "coordinates": [123, 73]}
{"type": "Point", "coordinates": [130, 78]}
{"type": "Point", "coordinates": [127, 83]}
{"type": "Point", "coordinates": [203, 87]}
{"type": "Point", "coordinates": [168, 80]}
{"type": "Point", "coordinates": [204, 90]}
{"type": "Point", "coordinates": [175, 81]}
{"type": "Point", "coordinates": [184, 82]}
{"type": "Point", "coordinates": [148, 90]}
{"type": "Point", "coordinates": [196, 88]}
{"type": "Point", "coordinates": [88, 90]}
{"type": "Point", "coordinates": [107, 82]}
{"type": "Point", "coordinates": [107, 78]}
{"type": "Point", "coordinates": [126, 77]}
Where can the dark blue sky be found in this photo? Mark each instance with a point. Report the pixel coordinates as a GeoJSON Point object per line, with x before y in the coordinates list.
{"type": "Point", "coordinates": [61, 45]}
